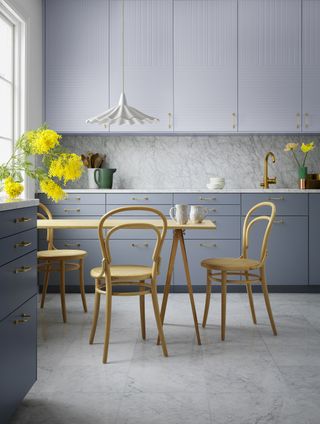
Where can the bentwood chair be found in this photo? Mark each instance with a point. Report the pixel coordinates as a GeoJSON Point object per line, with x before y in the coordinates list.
{"type": "Point", "coordinates": [142, 278]}
{"type": "Point", "coordinates": [218, 270]}
{"type": "Point", "coordinates": [57, 260]}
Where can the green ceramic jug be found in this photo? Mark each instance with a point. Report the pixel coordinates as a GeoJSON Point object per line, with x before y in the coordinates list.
{"type": "Point", "coordinates": [104, 177]}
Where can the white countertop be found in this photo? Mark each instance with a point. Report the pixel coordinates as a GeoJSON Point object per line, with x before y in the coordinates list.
{"type": "Point", "coordinates": [7, 205]}
{"type": "Point", "coordinates": [192, 190]}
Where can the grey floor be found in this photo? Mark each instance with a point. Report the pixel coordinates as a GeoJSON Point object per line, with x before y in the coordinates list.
{"type": "Point", "coordinates": [252, 377]}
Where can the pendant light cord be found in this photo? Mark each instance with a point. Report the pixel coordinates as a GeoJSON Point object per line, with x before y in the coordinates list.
{"type": "Point", "coordinates": [123, 46]}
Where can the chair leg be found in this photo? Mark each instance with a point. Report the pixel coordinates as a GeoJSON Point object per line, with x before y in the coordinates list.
{"type": "Point", "coordinates": [250, 297]}
{"type": "Point", "coordinates": [96, 310]}
{"type": "Point", "coordinates": [45, 285]}
{"type": "Point", "coordinates": [62, 291]}
{"type": "Point", "coordinates": [208, 298]}
{"type": "Point", "coordinates": [267, 300]}
{"type": "Point", "coordinates": [107, 322]}
{"type": "Point", "coordinates": [223, 303]}
{"type": "Point", "coordinates": [82, 290]}
{"type": "Point", "coordinates": [155, 303]}
{"type": "Point", "coordinates": [142, 313]}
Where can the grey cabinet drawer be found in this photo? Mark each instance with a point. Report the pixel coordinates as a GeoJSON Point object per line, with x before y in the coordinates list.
{"type": "Point", "coordinates": [227, 227]}
{"type": "Point", "coordinates": [18, 357]}
{"type": "Point", "coordinates": [76, 199]}
{"type": "Point", "coordinates": [139, 198]}
{"type": "Point", "coordinates": [162, 208]}
{"type": "Point", "coordinates": [77, 210]}
{"type": "Point", "coordinates": [197, 250]}
{"type": "Point", "coordinates": [287, 260]}
{"type": "Point", "coordinates": [314, 238]}
{"type": "Point", "coordinates": [93, 259]}
{"type": "Point", "coordinates": [286, 203]}
{"type": "Point", "coordinates": [18, 282]}
{"type": "Point", "coordinates": [15, 221]}
{"type": "Point", "coordinates": [206, 198]}
{"type": "Point", "coordinates": [17, 245]}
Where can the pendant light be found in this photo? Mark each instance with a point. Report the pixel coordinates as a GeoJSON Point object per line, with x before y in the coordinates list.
{"type": "Point", "coordinates": [122, 113]}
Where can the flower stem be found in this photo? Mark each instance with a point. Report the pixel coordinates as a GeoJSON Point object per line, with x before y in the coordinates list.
{"type": "Point", "coordinates": [296, 159]}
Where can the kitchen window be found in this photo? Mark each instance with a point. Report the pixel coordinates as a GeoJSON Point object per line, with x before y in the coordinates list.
{"type": "Point", "coordinates": [12, 77]}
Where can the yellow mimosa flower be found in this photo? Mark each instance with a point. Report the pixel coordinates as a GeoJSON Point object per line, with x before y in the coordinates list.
{"type": "Point", "coordinates": [43, 141]}
{"type": "Point", "coordinates": [305, 148]}
{"type": "Point", "coordinates": [12, 188]}
{"type": "Point", "coordinates": [290, 147]}
{"type": "Point", "coordinates": [68, 166]}
{"type": "Point", "coordinates": [52, 190]}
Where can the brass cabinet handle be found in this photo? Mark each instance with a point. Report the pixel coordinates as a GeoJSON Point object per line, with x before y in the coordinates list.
{"type": "Point", "coordinates": [306, 120]}
{"type": "Point", "coordinates": [71, 210]}
{"type": "Point", "coordinates": [208, 246]}
{"type": "Point", "coordinates": [234, 120]}
{"type": "Point", "coordinates": [276, 198]}
{"type": "Point", "coordinates": [72, 244]}
{"type": "Point", "coordinates": [298, 120]}
{"type": "Point", "coordinates": [140, 245]}
{"type": "Point", "coordinates": [25, 316]}
{"type": "Point", "coordinates": [207, 198]}
{"type": "Point", "coordinates": [23, 269]}
{"type": "Point", "coordinates": [20, 321]}
{"type": "Point", "coordinates": [22, 219]}
{"type": "Point", "coordinates": [279, 221]}
{"type": "Point", "coordinates": [169, 120]}
{"type": "Point", "coordinates": [23, 244]}
{"type": "Point", "coordinates": [73, 198]}
{"type": "Point", "coordinates": [212, 210]}
{"type": "Point", "coordinates": [139, 198]}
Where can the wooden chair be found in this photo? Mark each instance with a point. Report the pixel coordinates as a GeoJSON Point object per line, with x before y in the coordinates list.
{"type": "Point", "coordinates": [57, 260]}
{"type": "Point", "coordinates": [218, 270]}
{"type": "Point", "coordinates": [143, 277]}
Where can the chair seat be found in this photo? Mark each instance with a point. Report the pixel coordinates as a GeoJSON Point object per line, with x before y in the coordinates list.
{"type": "Point", "coordinates": [61, 254]}
{"type": "Point", "coordinates": [230, 264]}
{"type": "Point", "coordinates": [135, 272]}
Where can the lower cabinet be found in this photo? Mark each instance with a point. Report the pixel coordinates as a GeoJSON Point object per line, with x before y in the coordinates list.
{"type": "Point", "coordinates": [314, 238]}
{"type": "Point", "coordinates": [287, 260]}
{"type": "Point", "coordinates": [197, 250]}
{"type": "Point", "coordinates": [18, 356]}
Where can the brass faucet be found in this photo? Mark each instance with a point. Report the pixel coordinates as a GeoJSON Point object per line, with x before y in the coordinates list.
{"type": "Point", "coordinates": [266, 179]}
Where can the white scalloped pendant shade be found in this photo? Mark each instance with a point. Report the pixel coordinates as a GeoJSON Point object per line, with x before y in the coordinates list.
{"type": "Point", "coordinates": [122, 114]}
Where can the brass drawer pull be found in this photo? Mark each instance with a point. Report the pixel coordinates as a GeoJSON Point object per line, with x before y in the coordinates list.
{"type": "Point", "coordinates": [25, 316]}
{"type": "Point", "coordinates": [212, 210]}
{"type": "Point", "coordinates": [139, 198]}
{"type": "Point", "coordinates": [140, 245]}
{"type": "Point", "coordinates": [23, 244]}
{"type": "Point", "coordinates": [208, 246]}
{"type": "Point", "coordinates": [72, 245]}
{"type": "Point", "coordinates": [72, 210]}
{"type": "Point", "coordinates": [306, 120]}
{"type": "Point", "coordinates": [22, 219]}
{"type": "Point", "coordinates": [74, 198]}
{"type": "Point", "coordinates": [23, 269]}
{"type": "Point", "coordinates": [298, 120]}
{"type": "Point", "coordinates": [20, 321]}
{"type": "Point", "coordinates": [169, 120]}
{"type": "Point", "coordinates": [279, 221]}
{"type": "Point", "coordinates": [276, 198]}
{"type": "Point", "coordinates": [234, 120]}
{"type": "Point", "coordinates": [207, 198]}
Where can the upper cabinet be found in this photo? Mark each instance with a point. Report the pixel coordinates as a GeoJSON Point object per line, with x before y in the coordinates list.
{"type": "Point", "coordinates": [77, 63]}
{"type": "Point", "coordinates": [311, 65]}
{"type": "Point", "coordinates": [200, 66]}
{"type": "Point", "coordinates": [269, 65]}
{"type": "Point", "coordinates": [205, 65]}
{"type": "Point", "coordinates": [148, 60]}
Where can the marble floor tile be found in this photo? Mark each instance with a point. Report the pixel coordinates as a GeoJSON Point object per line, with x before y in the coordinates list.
{"type": "Point", "coordinates": [251, 377]}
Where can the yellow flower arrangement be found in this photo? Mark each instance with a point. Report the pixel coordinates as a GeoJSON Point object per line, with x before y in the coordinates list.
{"type": "Point", "coordinates": [58, 164]}
{"type": "Point", "coordinates": [305, 148]}
{"type": "Point", "coordinates": [68, 166]}
{"type": "Point", "coordinates": [12, 188]}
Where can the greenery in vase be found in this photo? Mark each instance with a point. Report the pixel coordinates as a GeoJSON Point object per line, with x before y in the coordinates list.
{"type": "Point", "coordinates": [59, 165]}
{"type": "Point", "coordinates": [305, 148]}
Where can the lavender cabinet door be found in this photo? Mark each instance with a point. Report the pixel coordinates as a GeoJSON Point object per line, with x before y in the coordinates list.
{"type": "Point", "coordinates": [269, 66]}
{"type": "Point", "coordinates": [205, 65]}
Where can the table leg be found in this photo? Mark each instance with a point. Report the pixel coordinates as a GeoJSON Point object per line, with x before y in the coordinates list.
{"type": "Point", "coordinates": [167, 286]}
{"type": "Point", "coordinates": [189, 284]}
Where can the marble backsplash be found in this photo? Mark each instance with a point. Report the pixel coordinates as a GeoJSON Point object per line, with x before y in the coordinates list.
{"type": "Point", "coordinates": [188, 161]}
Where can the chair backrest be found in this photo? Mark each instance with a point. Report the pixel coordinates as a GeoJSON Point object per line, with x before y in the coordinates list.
{"type": "Point", "coordinates": [104, 235]}
{"type": "Point", "coordinates": [46, 214]}
{"type": "Point", "coordinates": [249, 223]}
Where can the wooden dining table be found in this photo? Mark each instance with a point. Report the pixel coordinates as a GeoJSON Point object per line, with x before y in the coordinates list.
{"type": "Point", "coordinates": [178, 238]}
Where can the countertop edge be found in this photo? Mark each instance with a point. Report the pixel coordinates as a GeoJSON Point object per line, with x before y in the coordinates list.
{"type": "Point", "coordinates": [17, 204]}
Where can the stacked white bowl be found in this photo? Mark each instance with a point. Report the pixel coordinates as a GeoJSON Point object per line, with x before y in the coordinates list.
{"type": "Point", "coordinates": [216, 183]}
